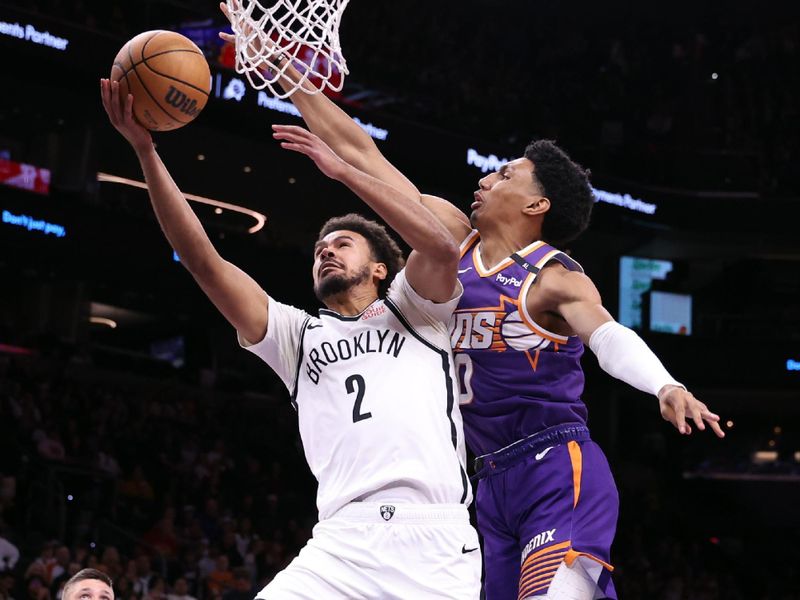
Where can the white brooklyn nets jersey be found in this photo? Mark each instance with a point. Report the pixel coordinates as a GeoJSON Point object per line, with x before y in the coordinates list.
{"type": "Point", "coordinates": [376, 399]}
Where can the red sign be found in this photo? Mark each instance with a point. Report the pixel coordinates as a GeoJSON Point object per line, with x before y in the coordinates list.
{"type": "Point", "coordinates": [24, 177]}
{"type": "Point", "coordinates": [304, 58]}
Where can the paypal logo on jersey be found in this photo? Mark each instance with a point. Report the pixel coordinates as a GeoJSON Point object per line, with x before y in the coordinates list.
{"type": "Point", "coordinates": [508, 280]}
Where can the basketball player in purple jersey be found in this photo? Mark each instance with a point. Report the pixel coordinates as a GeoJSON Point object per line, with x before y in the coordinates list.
{"type": "Point", "coordinates": [547, 504]}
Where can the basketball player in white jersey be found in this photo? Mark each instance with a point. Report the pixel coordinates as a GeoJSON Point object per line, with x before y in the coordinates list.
{"type": "Point", "coordinates": [372, 380]}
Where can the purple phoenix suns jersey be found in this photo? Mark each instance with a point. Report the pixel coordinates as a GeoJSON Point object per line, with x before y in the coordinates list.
{"type": "Point", "coordinates": [516, 378]}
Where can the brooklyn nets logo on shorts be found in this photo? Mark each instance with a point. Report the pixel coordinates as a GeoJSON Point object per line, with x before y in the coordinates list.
{"type": "Point", "coordinates": [387, 511]}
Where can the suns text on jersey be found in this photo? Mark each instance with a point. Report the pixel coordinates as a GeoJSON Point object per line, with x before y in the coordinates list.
{"type": "Point", "coordinates": [367, 342]}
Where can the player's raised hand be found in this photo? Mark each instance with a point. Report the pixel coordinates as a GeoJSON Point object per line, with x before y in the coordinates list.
{"type": "Point", "coordinates": [228, 37]}
{"type": "Point", "coordinates": [303, 141]}
{"type": "Point", "coordinates": [678, 406]}
{"type": "Point", "coordinates": [120, 113]}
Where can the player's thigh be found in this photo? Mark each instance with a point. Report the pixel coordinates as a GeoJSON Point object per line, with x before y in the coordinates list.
{"type": "Point", "coordinates": [597, 509]}
{"type": "Point", "coordinates": [307, 577]}
{"type": "Point", "coordinates": [572, 518]}
{"type": "Point", "coordinates": [436, 561]}
{"type": "Point", "coordinates": [383, 561]}
{"type": "Point", "coordinates": [571, 583]}
{"type": "Point", "coordinates": [335, 563]}
{"type": "Point", "coordinates": [500, 547]}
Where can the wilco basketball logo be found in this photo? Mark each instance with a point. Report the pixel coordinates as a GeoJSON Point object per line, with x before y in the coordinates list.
{"type": "Point", "coordinates": [182, 102]}
{"type": "Point", "coordinates": [387, 511]}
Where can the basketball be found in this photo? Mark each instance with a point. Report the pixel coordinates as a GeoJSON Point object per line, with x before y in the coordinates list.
{"type": "Point", "coordinates": [168, 77]}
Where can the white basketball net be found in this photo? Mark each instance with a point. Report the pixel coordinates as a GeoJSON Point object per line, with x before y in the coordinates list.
{"type": "Point", "coordinates": [300, 33]}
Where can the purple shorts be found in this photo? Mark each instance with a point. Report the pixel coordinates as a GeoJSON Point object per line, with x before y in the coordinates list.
{"type": "Point", "coordinates": [544, 500]}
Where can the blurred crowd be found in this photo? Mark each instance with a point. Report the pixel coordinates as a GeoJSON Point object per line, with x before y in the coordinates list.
{"type": "Point", "coordinates": [172, 493]}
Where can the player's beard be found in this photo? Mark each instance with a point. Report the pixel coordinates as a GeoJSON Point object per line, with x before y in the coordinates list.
{"type": "Point", "coordinates": [333, 285]}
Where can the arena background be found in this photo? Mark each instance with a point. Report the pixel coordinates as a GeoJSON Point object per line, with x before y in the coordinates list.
{"type": "Point", "coordinates": [160, 450]}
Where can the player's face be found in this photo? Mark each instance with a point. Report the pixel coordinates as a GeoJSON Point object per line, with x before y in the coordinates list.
{"type": "Point", "coordinates": [502, 195]}
{"type": "Point", "coordinates": [89, 589]}
{"type": "Point", "coordinates": [342, 260]}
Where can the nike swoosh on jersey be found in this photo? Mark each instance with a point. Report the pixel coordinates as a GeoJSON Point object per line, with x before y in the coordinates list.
{"type": "Point", "coordinates": [462, 271]}
{"type": "Point", "coordinates": [465, 550]}
{"type": "Point", "coordinates": [542, 454]}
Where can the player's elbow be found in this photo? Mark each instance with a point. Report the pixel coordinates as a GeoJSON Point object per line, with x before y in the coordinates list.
{"type": "Point", "coordinates": [445, 250]}
{"type": "Point", "coordinates": [203, 266]}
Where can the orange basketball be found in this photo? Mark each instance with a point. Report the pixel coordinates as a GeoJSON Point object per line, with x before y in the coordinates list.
{"type": "Point", "coordinates": [168, 77]}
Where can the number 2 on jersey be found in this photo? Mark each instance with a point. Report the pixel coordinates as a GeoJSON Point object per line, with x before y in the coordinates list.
{"type": "Point", "coordinates": [355, 384]}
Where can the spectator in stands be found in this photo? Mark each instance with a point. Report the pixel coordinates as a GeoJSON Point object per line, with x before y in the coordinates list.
{"type": "Point", "coordinates": [162, 535]}
{"type": "Point", "coordinates": [48, 444]}
{"type": "Point", "coordinates": [241, 588]}
{"type": "Point", "coordinates": [60, 567]}
{"type": "Point", "coordinates": [7, 583]}
{"type": "Point", "coordinates": [123, 588]}
{"type": "Point", "coordinates": [36, 588]}
{"type": "Point", "coordinates": [111, 564]}
{"type": "Point", "coordinates": [42, 566]}
{"type": "Point", "coordinates": [89, 584]}
{"type": "Point", "coordinates": [180, 590]}
{"type": "Point", "coordinates": [221, 578]}
{"type": "Point", "coordinates": [143, 573]}
{"type": "Point", "coordinates": [9, 553]}
{"type": "Point", "coordinates": [156, 588]}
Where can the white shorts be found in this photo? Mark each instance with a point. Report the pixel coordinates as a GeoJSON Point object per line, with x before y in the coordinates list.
{"type": "Point", "coordinates": [370, 550]}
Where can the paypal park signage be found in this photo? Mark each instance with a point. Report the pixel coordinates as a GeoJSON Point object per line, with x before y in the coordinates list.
{"type": "Point", "coordinates": [29, 33]}
{"type": "Point", "coordinates": [234, 89]}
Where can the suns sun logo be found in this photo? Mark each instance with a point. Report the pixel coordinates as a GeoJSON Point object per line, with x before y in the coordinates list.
{"type": "Point", "coordinates": [493, 329]}
{"type": "Point", "coordinates": [519, 336]}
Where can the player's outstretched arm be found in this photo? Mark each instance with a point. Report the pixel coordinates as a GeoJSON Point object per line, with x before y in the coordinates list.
{"type": "Point", "coordinates": [619, 350]}
{"type": "Point", "coordinates": [240, 299]}
{"type": "Point", "coordinates": [431, 268]}
{"type": "Point", "coordinates": [349, 141]}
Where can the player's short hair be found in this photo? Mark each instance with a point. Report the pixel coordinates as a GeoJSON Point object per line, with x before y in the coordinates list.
{"type": "Point", "coordinates": [384, 249]}
{"type": "Point", "coordinates": [83, 575]}
{"type": "Point", "coordinates": [566, 184]}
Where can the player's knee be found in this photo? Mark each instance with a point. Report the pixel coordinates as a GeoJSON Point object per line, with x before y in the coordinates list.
{"type": "Point", "coordinates": [569, 583]}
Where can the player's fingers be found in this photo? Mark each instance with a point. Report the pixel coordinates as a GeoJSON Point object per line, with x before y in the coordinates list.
{"type": "Point", "coordinates": [697, 417]}
{"type": "Point", "coordinates": [296, 134]}
{"type": "Point", "coordinates": [708, 415]}
{"type": "Point", "coordinates": [680, 417]}
{"type": "Point", "coordinates": [281, 130]}
{"type": "Point", "coordinates": [115, 103]}
{"type": "Point", "coordinates": [129, 108]}
{"type": "Point", "coordinates": [295, 147]}
{"type": "Point", "coordinates": [104, 95]}
{"type": "Point", "coordinates": [119, 104]}
{"type": "Point", "coordinates": [288, 136]}
{"type": "Point", "coordinates": [715, 427]}
{"type": "Point", "coordinates": [228, 37]}
{"type": "Point", "coordinates": [293, 129]}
